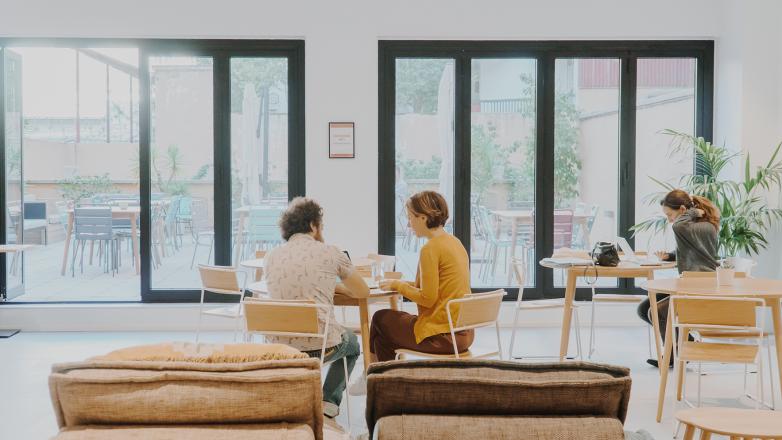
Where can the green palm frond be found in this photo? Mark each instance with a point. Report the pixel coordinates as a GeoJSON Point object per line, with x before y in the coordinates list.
{"type": "Point", "coordinates": [744, 215]}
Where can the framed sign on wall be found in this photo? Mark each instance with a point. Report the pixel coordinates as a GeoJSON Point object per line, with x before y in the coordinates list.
{"type": "Point", "coordinates": [342, 143]}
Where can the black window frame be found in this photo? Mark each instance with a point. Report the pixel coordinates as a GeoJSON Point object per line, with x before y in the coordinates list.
{"type": "Point", "coordinates": [221, 51]}
{"type": "Point", "coordinates": [545, 53]}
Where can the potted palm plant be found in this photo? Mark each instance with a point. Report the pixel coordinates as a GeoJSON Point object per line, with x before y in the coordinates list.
{"type": "Point", "coordinates": [745, 215]}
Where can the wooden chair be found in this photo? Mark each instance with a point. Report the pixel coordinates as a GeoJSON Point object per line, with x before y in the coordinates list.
{"type": "Point", "coordinates": [223, 280]}
{"type": "Point", "coordinates": [474, 311]}
{"type": "Point", "coordinates": [723, 334]}
{"type": "Point", "coordinates": [692, 313]}
{"type": "Point", "coordinates": [292, 318]}
{"type": "Point", "coordinates": [731, 422]}
{"type": "Point", "coordinates": [519, 266]}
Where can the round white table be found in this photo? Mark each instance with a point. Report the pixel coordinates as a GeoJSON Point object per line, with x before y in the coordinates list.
{"type": "Point", "coordinates": [256, 263]}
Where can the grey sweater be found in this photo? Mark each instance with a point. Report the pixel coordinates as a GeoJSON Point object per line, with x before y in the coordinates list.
{"type": "Point", "coordinates": [696, 243]}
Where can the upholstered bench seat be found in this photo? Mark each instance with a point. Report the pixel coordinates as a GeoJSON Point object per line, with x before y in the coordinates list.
{"type": "Point", "coordinates": [408, 427]}
{"type": "Point", "coordinates": [269, 431]}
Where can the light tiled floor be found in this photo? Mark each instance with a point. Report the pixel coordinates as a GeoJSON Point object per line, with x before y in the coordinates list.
{"type": "Point", "coordinates": [26, 413]}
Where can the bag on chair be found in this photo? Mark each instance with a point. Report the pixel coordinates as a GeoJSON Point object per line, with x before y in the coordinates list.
{"type": "Point", "coordinates": [605, 254]}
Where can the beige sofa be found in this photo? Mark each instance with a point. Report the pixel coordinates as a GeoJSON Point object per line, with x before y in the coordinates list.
{"type": "Point", "coordinates": [483, 399]}
{"type": "Point", "coordinates": [271, 399]}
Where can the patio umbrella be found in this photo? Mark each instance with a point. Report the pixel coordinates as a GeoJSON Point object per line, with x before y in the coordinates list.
{"type": "Point", "coordinates": [251, 148]}
{"type": "Point", "coordinates": [445, 108]}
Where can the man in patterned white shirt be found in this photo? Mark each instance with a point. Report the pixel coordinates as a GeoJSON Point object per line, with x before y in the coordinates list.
{"type": "Point", "coordinates": [305, 268]}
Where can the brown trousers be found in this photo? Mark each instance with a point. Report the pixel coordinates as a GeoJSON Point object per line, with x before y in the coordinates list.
{"type": "Point", "coordinates": [392, 329]}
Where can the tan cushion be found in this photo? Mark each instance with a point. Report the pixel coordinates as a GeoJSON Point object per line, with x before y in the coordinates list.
{"type": "Point", "coordinates": [486, 387]}
{"type": "Point", "coordinates": [430, 427]}
{"type": "Point", "coordinates": [273, 431]}
{"type": "Point", "coordinates": [208, 353]}
{"type": "Point", "coordinates": [152, 393]}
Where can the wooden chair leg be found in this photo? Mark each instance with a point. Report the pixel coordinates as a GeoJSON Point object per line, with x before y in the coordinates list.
{"type": "Point", "coordinates": [681, 367]}
{"type": "Point", "coordinates": [689, 432]}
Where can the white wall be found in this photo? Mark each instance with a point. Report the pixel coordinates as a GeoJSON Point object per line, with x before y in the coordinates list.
{"type": "Point", "coordinates": [341, 59]}
{"type": "Point", "coordinates": [748, 97]}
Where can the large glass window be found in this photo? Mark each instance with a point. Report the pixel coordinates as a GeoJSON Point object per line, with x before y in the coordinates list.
{"type": "Point", "coordinates": [259, 153]}
{"type": "Point", "coordinates": [424, 158]}
{"type": "Point", "coordinates": [586, 156]}
{"type": "Point", "coordinates": [502, 175]}
{"type": "Point", "coordinates": [80, 185]}
{"type": "Point", "coordinates": [181, 152]}
{"type": "Point", "coordinates": [536, 145]}
{"type": "Point", "coordinates": [90, 127]}
{"type": "Point", "coordinates": [665, 100]}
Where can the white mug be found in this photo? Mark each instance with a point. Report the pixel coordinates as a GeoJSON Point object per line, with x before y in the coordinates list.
{"type": "Point", "coordinates": [725, 276]}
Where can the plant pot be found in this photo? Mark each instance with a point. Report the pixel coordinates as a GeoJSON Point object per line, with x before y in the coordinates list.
{"type": "Point", "coordinates": [725, 276]}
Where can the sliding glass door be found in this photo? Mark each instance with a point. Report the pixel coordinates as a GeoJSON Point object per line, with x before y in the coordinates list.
{"type": "Point", "coordinates": [130, 162]}
{"type": "Point", "coordinates": [424, 160]}
{"type": "Point", "coordinates": [503, 108]}
{"type": "Point", "coordinates": [538, 146]}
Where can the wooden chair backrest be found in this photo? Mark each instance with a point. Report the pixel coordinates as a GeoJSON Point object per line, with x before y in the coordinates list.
{"type": "Point", "coordinates": [281, 316]}
{"type": "Point", "coordinates": [477, 309]}
{"type": "Point", "coordinates": [700, 311]}
{"type": "Point", "coordinates": [219, 279]}
{"type": "Point", "coordinates": [691, 274]}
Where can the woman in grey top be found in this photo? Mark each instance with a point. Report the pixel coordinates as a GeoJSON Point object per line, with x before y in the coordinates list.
{"type": "Point", "coordinates": [695, 222]}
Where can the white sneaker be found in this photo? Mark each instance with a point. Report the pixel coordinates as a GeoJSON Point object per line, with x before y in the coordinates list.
{"type": "Point", "coordinates": [330, 410]}
{"type": "Point", "coordinates": [359, 386]}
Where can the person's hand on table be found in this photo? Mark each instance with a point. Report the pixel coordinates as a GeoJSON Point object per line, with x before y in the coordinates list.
{"type": "Point", "coordinates": [662, 255]}
{"type": "Point", "coordinates": [389, 284]}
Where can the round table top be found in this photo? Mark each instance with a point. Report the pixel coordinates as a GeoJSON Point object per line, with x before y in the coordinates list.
{"type": "Point", "coordinates": [256, 263]}
{"type": "Point", "coordinates": [762, 287]}
{"type": "Point", "coordinates": [734, 422]}
{"type": "Point", "coordinates": [624, 266]}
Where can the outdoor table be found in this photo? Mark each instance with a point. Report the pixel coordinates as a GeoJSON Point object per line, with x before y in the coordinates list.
{"type": "Point", "coordinates": [131, 212]}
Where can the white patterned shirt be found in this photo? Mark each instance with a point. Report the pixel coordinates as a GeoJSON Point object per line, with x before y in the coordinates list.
{"type": "Point", "coordinates": [306, 269]}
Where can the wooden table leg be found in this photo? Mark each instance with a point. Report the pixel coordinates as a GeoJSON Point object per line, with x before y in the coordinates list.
{"type": "Point", "coordinates": [663, 366]}
{"type": "Point", "coordinates": [513, 236]}
{"type": "Point", "coordinates": [689, 432]}
{"type": "Point", "coordinates": [394, 301]}
{"type": "Point", "coordinates": [134, 242]}
{"type": "Point", "coordinates": [776, 316]}
{"type": "Point", "coordinates": [363, 311]}
{"type": "Point", "coordinates": [655, 317]}
{"type": "Point", "coordinates": [68, 232]}
{"type": "Point", "coordinates": [567, 313]}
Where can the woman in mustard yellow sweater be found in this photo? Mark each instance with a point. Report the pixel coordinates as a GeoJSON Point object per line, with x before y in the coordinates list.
{"type": "Point", "coordinates": [443, 274]}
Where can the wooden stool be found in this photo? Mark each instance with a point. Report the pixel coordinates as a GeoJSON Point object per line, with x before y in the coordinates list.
{"type": "Point", "coordinates": [736, 423]}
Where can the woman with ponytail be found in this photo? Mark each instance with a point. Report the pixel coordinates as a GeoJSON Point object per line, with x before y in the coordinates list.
{"type": "Point", "coordinates": [696, 223]}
